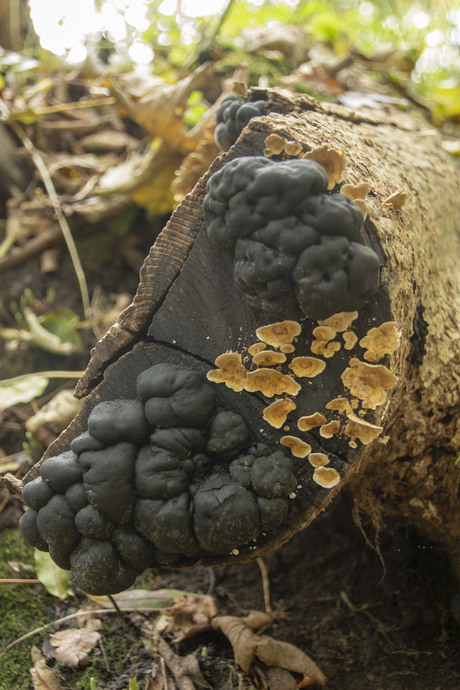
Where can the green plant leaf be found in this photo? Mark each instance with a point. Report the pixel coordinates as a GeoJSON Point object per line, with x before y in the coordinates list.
{"type": "Point", "coordinates": [22, 391]}
{"type": "Point", "coordinates": [53, 578]}
{"type": "Point", "coordinates": [142, 599]}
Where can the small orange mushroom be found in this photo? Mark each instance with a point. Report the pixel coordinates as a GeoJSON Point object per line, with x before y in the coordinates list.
{"type": "Point", "coordinates": [269, 358]}
{"type": "Point", "coordinates": [359, 428]}
{"type": "Point", "coordinates": [324, 333]}
{"type": "Point", "coordinates": [327, 477]}
{"type": "Point", "coordinates": [310, 421]}
{"type": "Point", "coordinates": [331, 349]}
{"type": "Point", "coordinates": [318, 459]}
{"type": "Point", "coordinates": [368, 382]}
{"type": "Point", "coordinates": [322, 344]}
{"type": "Point", "coordinates": [330, 429]}
{"type": "Point", "coordinates": [279, 333]}
{"type": "Point", "coordinates": [307, 366]}
{"type": "Point", "coordinates": [275, 413]}
{"type": "Point", "coordinates": [270, 382]}
{"type": "Point", "coordinates": [293, 148]}
{"type": "Point", "coordinates": [231, 371]}
{"type": "Point", "coordinates": [287, 349]}
{"type": "Point", "coordinates": [298, 448]}
{"type": "Point", "coordinates": [274, 144]}
{"type": "Point", "coordinates": [380, 341]}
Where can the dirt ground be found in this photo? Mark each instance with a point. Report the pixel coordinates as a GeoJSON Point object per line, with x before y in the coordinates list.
{"type": "Point", "coordinates": [370, 621]}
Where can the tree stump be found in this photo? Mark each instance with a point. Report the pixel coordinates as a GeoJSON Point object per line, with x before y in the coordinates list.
{"type": "Point", "coordinates": [394, 441]}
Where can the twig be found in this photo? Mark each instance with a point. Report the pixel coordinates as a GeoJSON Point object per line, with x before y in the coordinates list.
{"type": "Point", "coordinates": [61, 218]}
{"type": "Point", "coordinates": [174, 663]}
{"type": "Point", "coordinates": [45, 374]}
{"type": "Point", "coordinates": [36, 245]}
{"type": "Point", "coordinates": [18, 581]}
{"type": "Point", "coordinates": [265, 585]}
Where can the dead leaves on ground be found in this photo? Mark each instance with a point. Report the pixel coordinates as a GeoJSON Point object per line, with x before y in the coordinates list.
{"type": "Point", "coordinates": [182, 615]}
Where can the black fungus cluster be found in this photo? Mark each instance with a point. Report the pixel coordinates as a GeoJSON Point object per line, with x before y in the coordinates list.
{"type": "Point", "coordinates": [296, 249]}
{"type": "Point", "coordinates": [232, 117]}
{"type": "Point", "coordinates": [164, 479]}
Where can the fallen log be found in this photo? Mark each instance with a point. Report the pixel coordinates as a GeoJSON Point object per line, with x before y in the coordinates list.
{"type": "Point", "coordinates": [245, 412]}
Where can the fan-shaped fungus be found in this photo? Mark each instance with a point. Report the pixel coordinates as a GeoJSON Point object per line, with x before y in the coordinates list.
{"type": "Point", "coordinates": [380, 341]}
{"type": "Point", "coordinates": [231, 371]}
{"type": "Point", "coordinates": [364, 431]}
{"type": "Point", "coordinates": [310, 421]}
{"type": "Point", "coordinates": [298, 448]}
{"type": "Point", "coordinates": [276, 413]}
{"type": "Point", "coordinates": [307, 366]}
{"type": "Point", "coordinates": [368, 382]}
{"type": "Point", "coordinates": [327, 477]}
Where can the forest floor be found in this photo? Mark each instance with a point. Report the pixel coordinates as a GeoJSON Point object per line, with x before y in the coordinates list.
{"type": "Point", "coordinates": [371, 620]}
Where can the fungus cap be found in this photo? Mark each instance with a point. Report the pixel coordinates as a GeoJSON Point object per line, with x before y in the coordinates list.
{"type": "Point", "coordinates": [231, 371]}
{"type": "Point", "coordinates": [298, 448]}
{"type": "Point", "coordinates": [330, 429]}
{"type": "Point", "coordinates": [279, 333]}
{"type": "Point", "coordinates": [269, 358]}
{"type": "Point", "coordinates": [368, 382]}
{"type": "Point", "coordinates": [318, 459]}
{"type": "Point", "coordinates": [276, 413]}
{"type": "Point", "coordinates": [364, 431]}
{"type": "Point", "coordinates": [340, 321]}
{"type": "Point", "coordinates": [308, 367]}
{"type": "Point", "coordinates": [270, 382]}
{"type": "Point", "coordinates": [327, 477]}
{"type": "Point", "coordinates": [380, 341]}
{"type": "Point", "coordinates": [310, 421]}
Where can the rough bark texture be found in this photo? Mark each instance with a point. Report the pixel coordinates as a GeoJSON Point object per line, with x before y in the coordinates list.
{"type": "Point", "coordinates": [186, 310]}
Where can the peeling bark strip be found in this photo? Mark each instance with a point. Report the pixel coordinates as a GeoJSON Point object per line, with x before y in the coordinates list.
{"type": "Point", "coordinates": [328, 401]}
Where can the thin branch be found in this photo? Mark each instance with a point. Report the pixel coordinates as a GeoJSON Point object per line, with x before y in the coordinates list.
{"type": "Point", "coordinates": [45, 374]}
{"type": "Point", "coordinates": [61, 218]}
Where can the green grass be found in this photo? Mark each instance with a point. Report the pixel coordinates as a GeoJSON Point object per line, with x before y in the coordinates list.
{"type": "Point", "coordinates": [22, 609]}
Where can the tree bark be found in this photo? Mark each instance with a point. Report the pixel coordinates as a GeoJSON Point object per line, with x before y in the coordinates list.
{"type": "Point", "coordinates": [187, 310]}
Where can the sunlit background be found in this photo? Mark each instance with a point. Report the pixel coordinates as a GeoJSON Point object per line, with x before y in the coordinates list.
{"type": "Point", "coordinates": [136, 27]}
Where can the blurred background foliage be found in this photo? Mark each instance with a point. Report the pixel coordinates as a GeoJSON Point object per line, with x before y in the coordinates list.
{"type": "Point", "coordinates": [168, 35]}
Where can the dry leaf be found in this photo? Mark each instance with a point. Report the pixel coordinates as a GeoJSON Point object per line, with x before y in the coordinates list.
{"type": "Point", "coordinates": [288, 39]}
{"type": "Point", "coordinates": [333, 161]}
{"type": "Point", "coordinates": [246, 644]}
{"type": "Point", "coordinates": [73, 646]}
{"type": "Point", "coordinates": [195, 164]}
{"type": "Point", "coordinates": [159, 107]}
{"type": "Point", "coordinates": [43, 677]}
{"type": "Point", "coordinates": [59, 412]}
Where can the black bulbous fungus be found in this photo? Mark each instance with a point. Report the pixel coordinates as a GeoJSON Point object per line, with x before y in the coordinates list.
{"type": "Point", "coordinates": [296, 249]}
{"type": "Point", "coordinates": [232, 117]}
{"type": "Point", "coordinates": [187, 485]}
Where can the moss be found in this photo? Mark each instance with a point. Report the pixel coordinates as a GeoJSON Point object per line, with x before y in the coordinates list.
{"type": "Point", "coordinates": [22, 609]}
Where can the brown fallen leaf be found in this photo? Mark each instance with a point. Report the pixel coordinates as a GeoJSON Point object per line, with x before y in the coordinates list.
{"type": "Point", "coordinates": [74, 645]}
{"type": "Point", "coordinates": [43, 677]}
{"type": "Point", "coordinates": [247, 644]}
{"type": "Point", "coordinates": [160, 107]}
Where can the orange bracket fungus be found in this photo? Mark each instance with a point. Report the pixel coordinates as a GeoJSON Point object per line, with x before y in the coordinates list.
{"type": "Point", "coordinates": [327, 477]}
{"type": "Point", "coordinates": [269, 358]}
{"type": "Point", "coordinates": [279, 334]}
{"type": "Point", "coordinates": [380, 341]}
{"type": "Point", "coordinates": [297, 447]}
{"type": "Point", "coordinates": [270, 382]}
{"type": "Point", "coordinates": [276, 413]}
{"type": "Point", "coordinates": [330, 429]}
{"type": "Point", "coordinates": [308, 367]}
{"type": "Point", "coordinates": [231, 371]}
{"type": "Point", "coordinates": [310, 421]}
{"type": "Point", "coordinates": [318, 459]}
{"type": "Point", "coordinates": [368, 382]}
{"type": "Point", "coordinates": [364, 431]}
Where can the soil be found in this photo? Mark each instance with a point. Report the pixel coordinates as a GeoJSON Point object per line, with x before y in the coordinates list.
{"type": "Point", "coordinates": [375, 614]}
